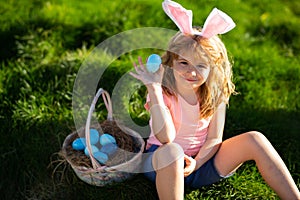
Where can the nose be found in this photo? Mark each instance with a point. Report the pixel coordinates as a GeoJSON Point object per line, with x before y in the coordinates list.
{"type": "Point", "coordinates": [193, 73]}
{"type": "Point", "coordinates": [191, 70]}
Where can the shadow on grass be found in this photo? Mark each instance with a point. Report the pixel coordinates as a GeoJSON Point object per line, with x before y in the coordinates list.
{"type": "Point", "coordinates": [69, 36]}
{"type": "Point", "coordinates": [27, 172]}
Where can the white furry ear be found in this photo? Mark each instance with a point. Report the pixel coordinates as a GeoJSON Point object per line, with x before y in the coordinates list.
{"type": "Point", "coordinates": [217, 21]}
{"type": "Point", "coordinates": [180, 16]}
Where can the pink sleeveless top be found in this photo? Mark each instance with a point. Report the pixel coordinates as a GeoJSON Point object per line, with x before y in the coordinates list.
{"type": "Point", "coordinates": [191, 132]}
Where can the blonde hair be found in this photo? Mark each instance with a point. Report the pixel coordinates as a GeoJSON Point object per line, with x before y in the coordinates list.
{"type": "Point", "coordinates": [218, 86]}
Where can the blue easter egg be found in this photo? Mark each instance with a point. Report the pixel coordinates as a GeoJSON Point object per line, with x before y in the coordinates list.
{"type": "Point", "coordinates": [153, 63]}
{"type": "Point", "coordinates": [94, 150]}
{"type": "Point", "coordinates": [94, 136]}
{"type": "Point", "coordinates": [107, 139]}
{"type": "Point", "coordinates": [109, 149]}
{"type": "Point", "coordinates": [101, 157]}
{"type": "Point", "coordinates": [79, 144]}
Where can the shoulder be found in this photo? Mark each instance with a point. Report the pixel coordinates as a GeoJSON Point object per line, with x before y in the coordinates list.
{"type": "Point", "coordinates": [219, 114]}
{"type": "Point", "coordinates": [169, 100]}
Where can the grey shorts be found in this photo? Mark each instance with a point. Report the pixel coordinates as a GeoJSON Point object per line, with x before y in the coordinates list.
{"type": "Point", "coordinates": [207, 174]}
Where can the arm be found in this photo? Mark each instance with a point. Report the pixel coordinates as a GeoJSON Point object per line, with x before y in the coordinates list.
{"type": "Point", "coordinates": [162, 122]}
{"type": "Point", "coordinates": [214, 137]}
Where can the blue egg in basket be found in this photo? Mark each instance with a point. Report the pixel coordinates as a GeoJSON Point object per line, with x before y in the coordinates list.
{"type": "Point", "coordinates": [107, 139]}
{"type": "Point", "coordinates": [109, 149]}
{"type": "Point", "coordinates": [79, 144]}
{"type": "Point", "coordinates": [94, 150]}
{"type": "Point", "coordinates": [94, 136]}
{"type": "Point", "coordinates": [101, 157]}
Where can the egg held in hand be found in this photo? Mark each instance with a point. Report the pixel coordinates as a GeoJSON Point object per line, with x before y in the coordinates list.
{"type": "Point", "coordinates": [153, 63]}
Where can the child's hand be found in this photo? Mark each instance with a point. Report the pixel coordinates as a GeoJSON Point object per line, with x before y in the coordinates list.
{"type": "Point", "coordinates": [145, 76]}
{"type": "Point", "coordinates": [190, 165]}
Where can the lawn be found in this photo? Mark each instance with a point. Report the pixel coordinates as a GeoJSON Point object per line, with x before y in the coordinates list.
{"type": "Point", "coordinates": [45, 44]}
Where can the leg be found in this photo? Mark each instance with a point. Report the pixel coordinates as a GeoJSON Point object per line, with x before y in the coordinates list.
{"type": "Point", "coordinates": [168, 163]}
{"type": "Point", "coordinates": [254, 146]}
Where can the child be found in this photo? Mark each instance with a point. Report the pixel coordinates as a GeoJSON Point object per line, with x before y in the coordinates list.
{"type": "Point", "coordinates": [187, 100]}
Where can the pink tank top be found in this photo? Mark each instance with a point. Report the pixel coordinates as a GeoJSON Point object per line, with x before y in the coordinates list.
{"type": "Point", "coordinates": [191, 132]}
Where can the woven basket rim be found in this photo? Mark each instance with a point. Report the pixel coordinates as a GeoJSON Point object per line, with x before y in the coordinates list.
{"type": "Point", "coordinates": [105, 168]}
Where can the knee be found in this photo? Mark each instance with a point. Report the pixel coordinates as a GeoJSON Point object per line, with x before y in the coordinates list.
{"type": "Point", "coordinates": [257, 140]}
{"type": "Point", "coordinates": [256, 136]}
{"type": "Point", "coordinates": [167, 155]}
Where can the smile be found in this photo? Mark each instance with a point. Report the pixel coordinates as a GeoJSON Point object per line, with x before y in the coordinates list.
{"type": "Point", "coordinates": [191, 80]}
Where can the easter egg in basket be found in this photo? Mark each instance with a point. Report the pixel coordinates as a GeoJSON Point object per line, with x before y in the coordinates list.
{"type": "Point", "coordinates": [94, 150]}
{"type": "Point", "coordinates": [94, 136]}
{"type": "Point", "coordinates": [109, 148]}
{"type": "Point", "coordinates": [101, 157]}
{"type": "Point", "coordinates": [79, 144]}
{"type": "Point", "coordinates": [107, 139]}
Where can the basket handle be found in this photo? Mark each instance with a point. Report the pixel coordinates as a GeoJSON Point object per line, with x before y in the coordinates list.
{"type": "Point", "coordinates": [108, 105]}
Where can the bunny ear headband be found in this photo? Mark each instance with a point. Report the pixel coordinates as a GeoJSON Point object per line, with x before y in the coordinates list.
{"type": "Point", "coordinates": [217, 21]}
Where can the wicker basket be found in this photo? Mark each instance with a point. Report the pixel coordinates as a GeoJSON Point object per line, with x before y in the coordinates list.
{"type": "Point", "coordinates": [121, 166]}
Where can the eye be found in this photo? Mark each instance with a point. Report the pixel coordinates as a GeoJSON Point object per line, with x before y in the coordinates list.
{"type": "Point", "coordinates": [183, 62]}
{"type": "Point", "coordinates": [202, 66]}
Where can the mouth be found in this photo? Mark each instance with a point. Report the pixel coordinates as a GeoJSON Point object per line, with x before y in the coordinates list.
{"type": "Point", "coordinates": [191, 80]}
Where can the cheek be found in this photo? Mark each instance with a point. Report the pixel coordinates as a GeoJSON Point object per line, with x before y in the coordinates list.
{"type": "Point", "coordinates": [178, 71]}
{"type": "Point", "coordinates": [177, 74]}
{"type": "Point", "coordinates": [204, 73]}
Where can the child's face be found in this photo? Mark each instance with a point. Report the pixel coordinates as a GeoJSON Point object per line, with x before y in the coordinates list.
{"type": "Point", "coordinates": [190, 72]}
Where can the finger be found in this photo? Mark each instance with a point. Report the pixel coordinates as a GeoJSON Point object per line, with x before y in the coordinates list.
{"type": "Point", "coordinates": [140, 60]}
{"type": "Point", "coordinates": [189, 168]}
{"type": "Point", "coordinates": [187, 171]}
{"type": "Point", "coordinates": [138, 69]}
{"type": "Point", "coordinates": [142, 66]}
{"type": "Point", "coordinates": [134, 64]}
{"type": "Point", "coordinates": [187, 158]}
{"type": "Point", "coordinates": [134, 75]}
{"type": "Point", "coordinates": [161, 69]}
{"type": "Point", "coordinates": [185, 175]}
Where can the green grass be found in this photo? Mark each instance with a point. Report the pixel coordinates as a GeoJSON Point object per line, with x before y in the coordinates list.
{"type": "Point", "coordinates": [44, 43]}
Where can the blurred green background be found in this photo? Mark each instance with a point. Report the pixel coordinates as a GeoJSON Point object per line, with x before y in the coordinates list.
{"type": "Point", "coordinates": [43, 44]}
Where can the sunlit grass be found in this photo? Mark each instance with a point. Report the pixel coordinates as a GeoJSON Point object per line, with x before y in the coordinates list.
{"type": "Point", "coordinates": [44, 43]}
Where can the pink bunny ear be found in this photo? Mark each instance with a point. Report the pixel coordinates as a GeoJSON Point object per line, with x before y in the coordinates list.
{"type": "Point", "coordinates": [180, 16]}
{"type": "Point", "coordinates": [217, 22]}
